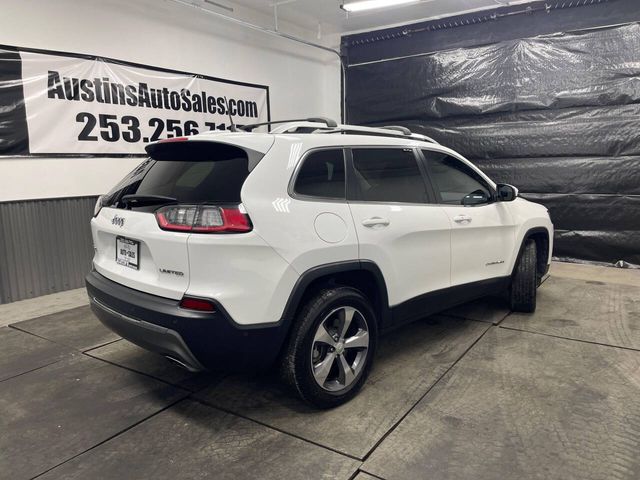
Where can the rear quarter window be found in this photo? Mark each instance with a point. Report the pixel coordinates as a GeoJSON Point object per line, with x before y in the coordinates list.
{"type": "Point", "coordinates": [322, 175]}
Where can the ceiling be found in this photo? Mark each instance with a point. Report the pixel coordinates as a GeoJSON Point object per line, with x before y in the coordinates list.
{"type": "Point", "coordinates": [327, 14]}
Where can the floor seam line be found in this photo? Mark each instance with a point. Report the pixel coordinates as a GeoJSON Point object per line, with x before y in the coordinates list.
{"type": "Point", "coordinates": [460, 317]}
{"type": "Point", "coordinates": [590, 342]}
{"type": "Point", "coordinates": [372, 475]}
{"type": "Point", "coordinates": [139, 373]}
{"type": "Point", "coordinates": [13, 325]}
{"type": "Point", "coordinates": [395, 425]}
{"type": "Point", "coordinates": [293, 435]}
{"type": "Point", "coordinates": [90, 349]}
{"type": "Point", "coordinates": [76, 349]}
{"type": "Point", "coordinates": [33, 369]}
{"type": "Point", "coordinates": [496, 324]}
{"type": "Point", "coordinates": [133, 425]}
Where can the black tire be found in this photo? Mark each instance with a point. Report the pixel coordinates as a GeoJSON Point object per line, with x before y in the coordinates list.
{"type": "Point", "coordinates": [298, 364]}
{"type": "Point", "coordinates": [524, 282]}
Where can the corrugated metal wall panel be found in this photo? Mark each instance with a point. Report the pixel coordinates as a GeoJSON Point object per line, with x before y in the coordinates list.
{"type": "Point", "coordinates": [45, 246]}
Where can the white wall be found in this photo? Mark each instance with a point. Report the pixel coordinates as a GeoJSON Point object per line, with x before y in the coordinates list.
{"type": "Point", "coordinates": [303, 81]}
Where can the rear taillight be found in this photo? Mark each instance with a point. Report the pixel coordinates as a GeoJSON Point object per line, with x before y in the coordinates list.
{"type": "Point", "coordinates": [203, 219]}
{"type": "Point", "coordinates": [197, 304]}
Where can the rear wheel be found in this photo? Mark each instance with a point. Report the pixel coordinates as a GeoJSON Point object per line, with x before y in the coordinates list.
{"type": "Point", "coordinates": [525, 280]}
{"type": "Point", "coordinates": [331, 348]}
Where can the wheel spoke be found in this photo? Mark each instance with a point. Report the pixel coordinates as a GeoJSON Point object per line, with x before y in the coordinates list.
{"type": "Point", "coordinates": [358, 366]}
{"type": "Point", "coordinates": [359, 340]}
{"type": "Point", "coordinates": [345, 374]}
{"type": "Point", "coordinates": [323, 336]}
{"type": "Point", "coordinates": [346, 315]}
{"type": "Point", "coordinates": [322, 369]}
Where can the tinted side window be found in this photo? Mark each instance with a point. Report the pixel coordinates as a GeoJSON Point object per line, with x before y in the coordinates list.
{"type": "Point", "coordinates": [453, 179]}
{"type": "Point", "coordinates": [322, 175]}
{"type": "Point", "coordinates": [388, 175]}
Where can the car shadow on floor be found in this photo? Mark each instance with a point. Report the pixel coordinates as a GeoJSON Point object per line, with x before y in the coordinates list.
{"type": "Point", "coordinates": [409, 361]}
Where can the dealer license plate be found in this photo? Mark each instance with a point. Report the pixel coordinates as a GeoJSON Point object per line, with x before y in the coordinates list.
{"type": "Point", "coordinates": [127, 252]}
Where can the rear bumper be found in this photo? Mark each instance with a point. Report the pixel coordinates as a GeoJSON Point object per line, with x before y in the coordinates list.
{"type": "Point", "coordinates": [198, 340]}
{"type": "Point", "coordinates": [147, 335]}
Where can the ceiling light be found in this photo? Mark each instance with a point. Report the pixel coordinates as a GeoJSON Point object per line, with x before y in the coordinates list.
{"type": "Point", "coordinates": [360, 5]}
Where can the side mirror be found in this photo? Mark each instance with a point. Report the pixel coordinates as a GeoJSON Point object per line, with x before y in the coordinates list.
{"type": "Point", "coordinates": [475, 198]}
{"type": "Point", "coordinates": [506, 192]}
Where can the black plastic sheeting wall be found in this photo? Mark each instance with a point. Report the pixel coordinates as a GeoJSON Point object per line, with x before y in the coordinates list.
{"type": "Point", "coordinates": [558, 116]}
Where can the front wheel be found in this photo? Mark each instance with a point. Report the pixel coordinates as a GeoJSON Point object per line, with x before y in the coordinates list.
{"type": "Point", "coordinates": [525, 280]}
{"type": "Point", "coordinates": [331, 348]}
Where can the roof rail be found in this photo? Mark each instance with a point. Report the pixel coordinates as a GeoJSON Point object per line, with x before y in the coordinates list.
{"type": "Point", "coordinates": [409, 133]}
{"type": "Point", "coordinates": [310, 125]}
{"type": "Point", "coordinates": [386, 131]}
{"type": "Point", "coordinates": [327, 121]}
{"type": "Point", "coordinates": [403, 130]}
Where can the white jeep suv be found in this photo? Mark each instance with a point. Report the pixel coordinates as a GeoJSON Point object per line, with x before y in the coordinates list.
{"type": "Point", "coordinates": [235, 250]}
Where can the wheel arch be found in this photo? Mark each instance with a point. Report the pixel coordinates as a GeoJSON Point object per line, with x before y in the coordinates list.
{"type": "Point", "coordinates": [363, 275]}
{"type": "Point", "coordinates": [542, 238]}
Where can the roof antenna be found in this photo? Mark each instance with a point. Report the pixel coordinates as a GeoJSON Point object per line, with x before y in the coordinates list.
{"type": "Point", "coordinates": [233, 126]}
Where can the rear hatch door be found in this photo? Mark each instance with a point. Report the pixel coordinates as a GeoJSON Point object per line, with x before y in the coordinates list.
{"type": "Point", "coordinates": [133, 251]}
{"type": "Point", "coordinates": [130, 247]}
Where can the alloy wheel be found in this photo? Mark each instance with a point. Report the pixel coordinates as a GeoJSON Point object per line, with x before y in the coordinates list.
{"type": "Point", "coordinates": [340, 347]}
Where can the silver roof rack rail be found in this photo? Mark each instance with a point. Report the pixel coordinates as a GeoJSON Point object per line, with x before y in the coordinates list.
{"type": "Point", "coordinates": [394, 131]}
{"type": "Point", "coordinates": [327, 126]}
{"type": "Point", "coordinates": [326, 121]}
{"type": "Point", "coordinates": [398, 128]}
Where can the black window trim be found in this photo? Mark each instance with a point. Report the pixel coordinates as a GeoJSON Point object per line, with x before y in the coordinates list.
{"type": "Point", "coordinates": [314, 198]}
{"type": "Point", "coordinates": [436, 192]}
{"type": "Point", "coordinates": [352, 187]}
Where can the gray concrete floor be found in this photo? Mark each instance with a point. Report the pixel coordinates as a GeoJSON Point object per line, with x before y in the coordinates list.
{"type": "Point", "coordinates": [476, 392]}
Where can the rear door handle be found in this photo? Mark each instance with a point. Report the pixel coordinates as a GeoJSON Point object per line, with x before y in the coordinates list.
{"type": "Point", "coordinates": [375, 222]}
{"type": "Point", "coordinates": [462, 219]}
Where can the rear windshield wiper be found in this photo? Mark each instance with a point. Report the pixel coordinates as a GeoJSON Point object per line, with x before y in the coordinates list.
{"type": "Point", "coordinates": [131, 200]}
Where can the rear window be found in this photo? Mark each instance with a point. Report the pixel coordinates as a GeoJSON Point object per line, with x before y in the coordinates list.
{"type": "Point", "coordinates": [202, 173]}
{"type": "Point", "coordinates": [196, 182]}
